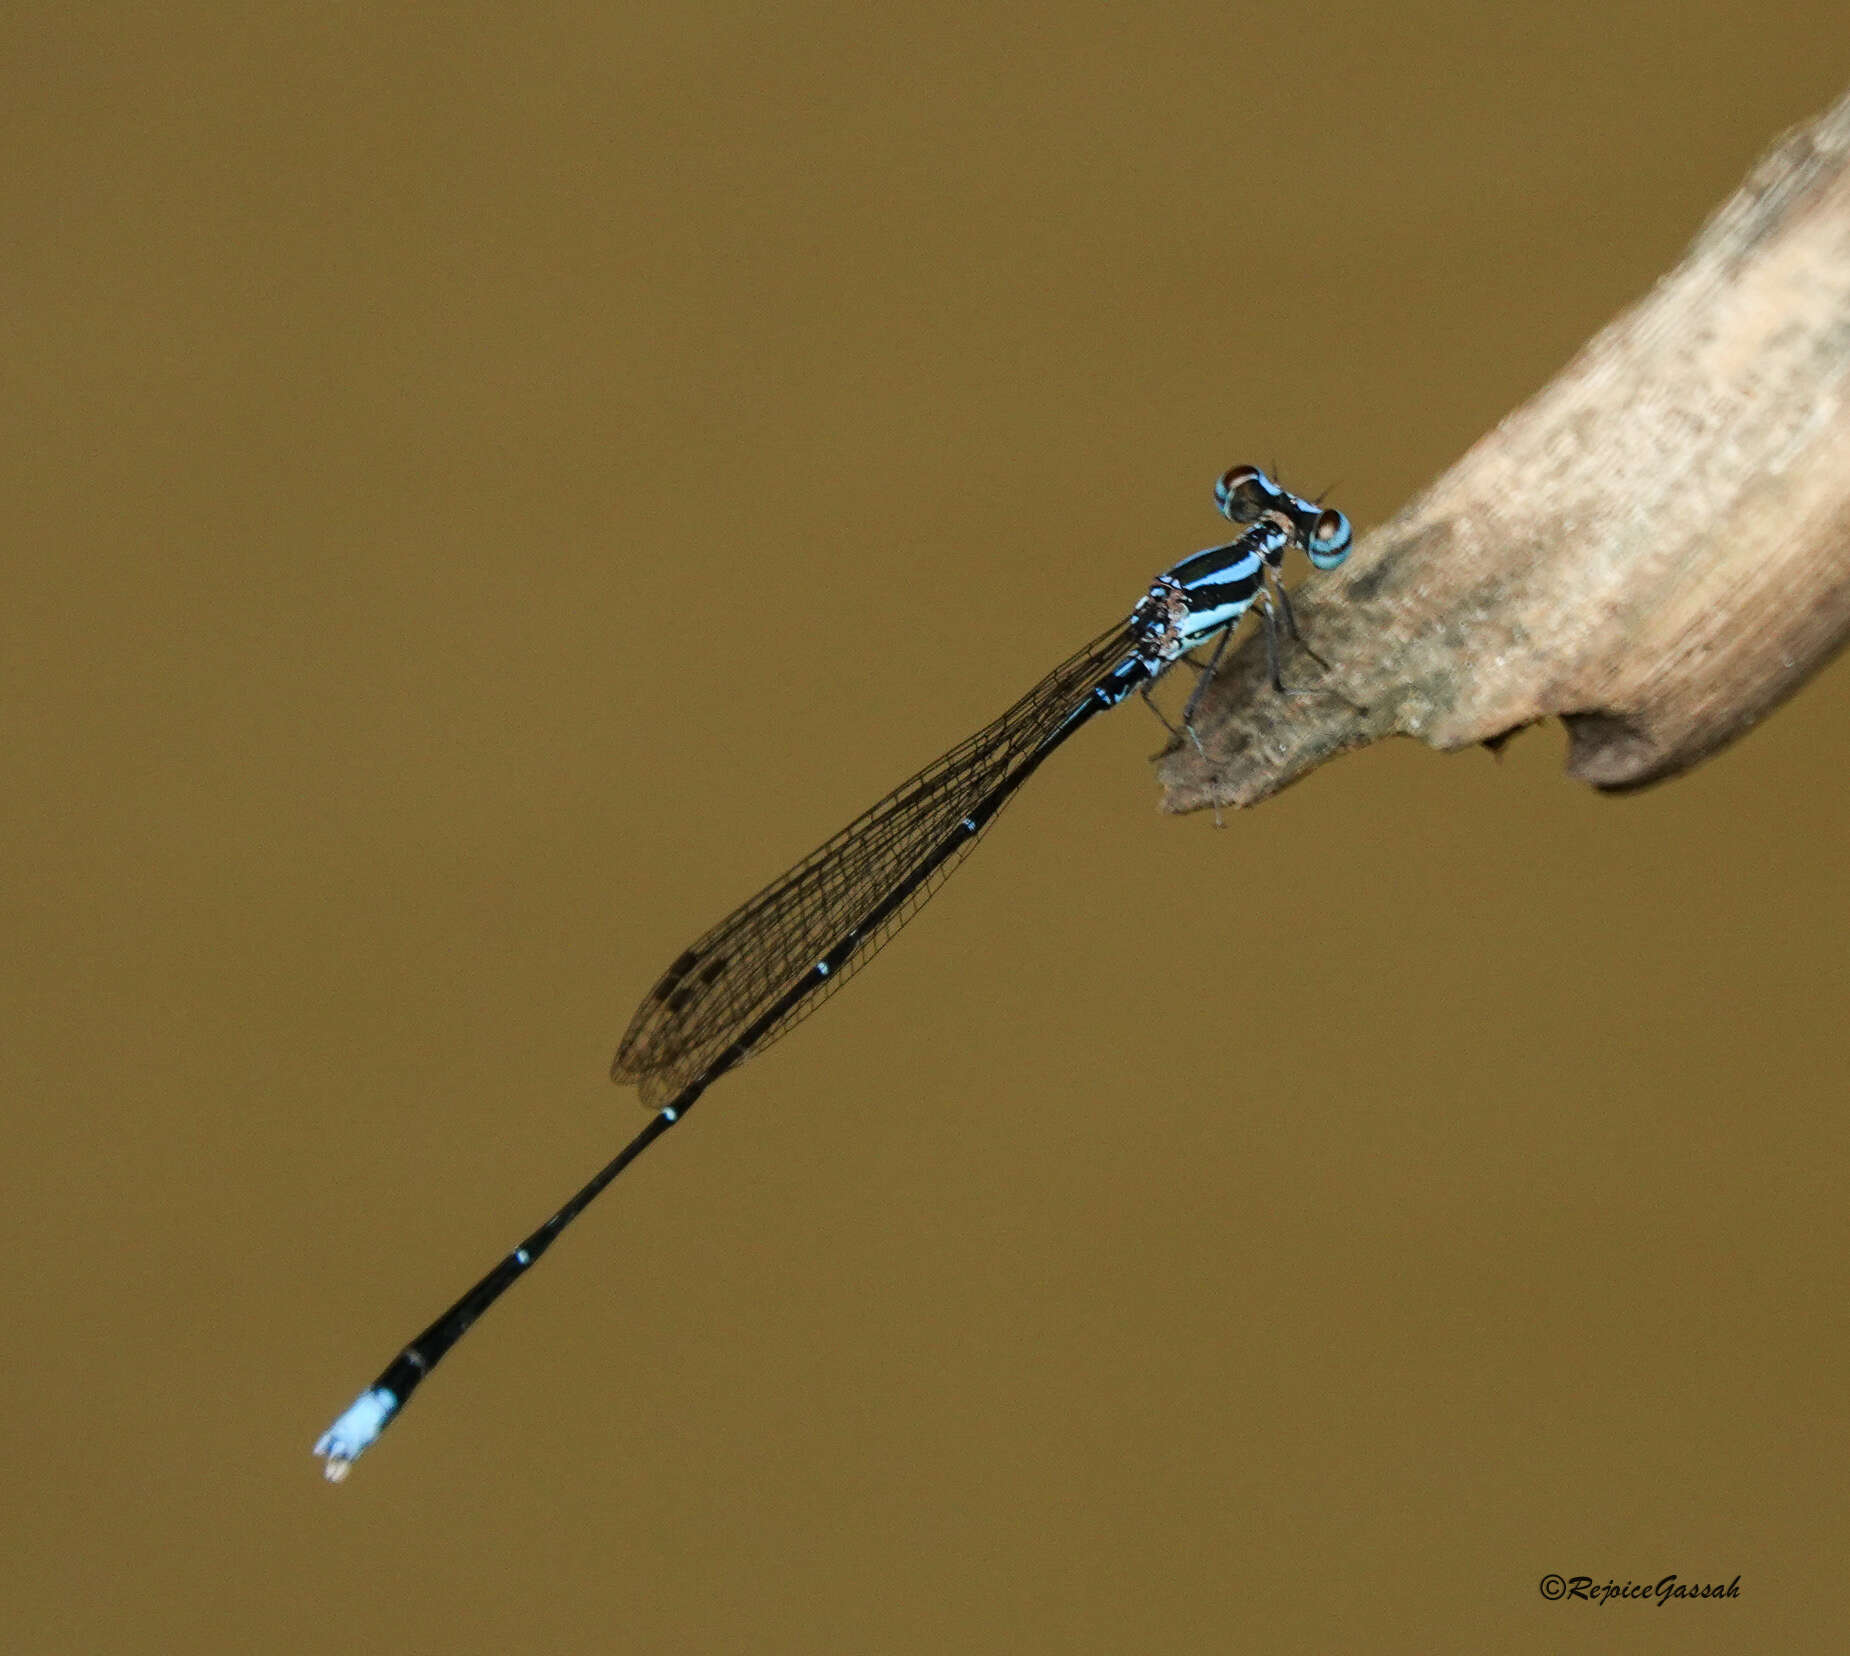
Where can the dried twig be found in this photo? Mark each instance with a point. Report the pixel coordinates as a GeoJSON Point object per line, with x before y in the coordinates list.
{"type": "Point", "coordinates": [1655, 549]}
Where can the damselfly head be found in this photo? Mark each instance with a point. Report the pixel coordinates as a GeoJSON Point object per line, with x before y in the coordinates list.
{"type": "Point", "coordinates": [1244, 492]}
{"type": "Point", "coordinates": [1327, 538]}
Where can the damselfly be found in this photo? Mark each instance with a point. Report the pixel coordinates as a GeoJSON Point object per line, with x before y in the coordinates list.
{"type": "Point", "coordinates": [769, 964]}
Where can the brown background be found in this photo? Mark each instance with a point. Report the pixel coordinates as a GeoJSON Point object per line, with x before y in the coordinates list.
{"type": "Point", "coordinates": [482, 495]}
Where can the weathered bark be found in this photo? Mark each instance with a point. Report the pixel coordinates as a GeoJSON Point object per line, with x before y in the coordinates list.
{"type": "Point", "coordinates": [1655, 549]}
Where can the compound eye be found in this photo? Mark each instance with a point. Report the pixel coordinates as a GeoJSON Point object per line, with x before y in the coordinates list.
{"type": "Point", "coordinates": [1329, 539]}
{"type": "Point", "coordinates": [1243, 493]}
